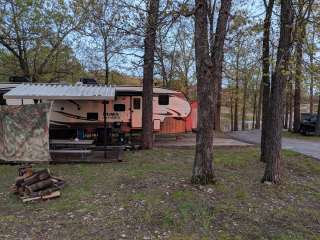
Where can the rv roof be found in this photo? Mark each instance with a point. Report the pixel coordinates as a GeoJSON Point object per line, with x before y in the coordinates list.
{"type": "Point", "coordinates": [139, 89]}
{"type": "Point", "coordinates": [61, 91]}
{"type": "Point", "coordinates": [56, 91]}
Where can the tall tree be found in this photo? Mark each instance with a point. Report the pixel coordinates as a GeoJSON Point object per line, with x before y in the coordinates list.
{"type": "Point", "coordinates": [318, 119]}
{"type": "Point", "coordinates": [300, 31]}
{"type": "Point", "coordinates": [207, 75]}
{"type": "Point", "coordinates": [265, 83]}
{"type": "Point", "coordinates": [106, 32]}
{"type": "Point", "coordinates": [29, 27]}
{"type": "Point", "coordinates": [236, 98]}
{"type": "Point", "coordinates": [148, 66]}
{"type": "Point", "coordinates": [275, 109]}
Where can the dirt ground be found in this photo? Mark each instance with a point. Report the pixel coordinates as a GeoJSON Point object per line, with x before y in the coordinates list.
{"type": "Point", "coordinates": [149, 197]}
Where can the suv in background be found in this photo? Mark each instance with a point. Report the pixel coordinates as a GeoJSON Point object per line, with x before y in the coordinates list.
{"type": "Point", "coordinates": [308, 124]}
{"type": "Point", "coordinates": [88, 81]}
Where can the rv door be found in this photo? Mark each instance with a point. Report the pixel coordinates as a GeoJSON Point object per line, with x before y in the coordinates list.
{"type": "Point", "coordinates": [136, 112]}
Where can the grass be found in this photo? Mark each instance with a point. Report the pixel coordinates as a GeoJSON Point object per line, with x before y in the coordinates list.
{"type": "Point", "coordinates": [150, 196]}
{"type": "Point", "coordinates": [293, 135]}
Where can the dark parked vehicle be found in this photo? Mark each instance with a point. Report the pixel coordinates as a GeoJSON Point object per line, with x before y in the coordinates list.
{"type": "Point", "coordinates": [308, 124]}
{"type": "Point", "coordinates": [88, 81]}
{"type": "Point", "coordinates": [18, 79]}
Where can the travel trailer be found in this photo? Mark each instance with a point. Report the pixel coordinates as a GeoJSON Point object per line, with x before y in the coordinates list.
{"type": "Point", "coordinates": [84, 109]}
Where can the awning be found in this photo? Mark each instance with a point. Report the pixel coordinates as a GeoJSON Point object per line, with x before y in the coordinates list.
{"type": "Point", "coordinates": [61, 91]}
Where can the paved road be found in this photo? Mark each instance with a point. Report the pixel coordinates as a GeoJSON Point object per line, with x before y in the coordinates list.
{"type": "Point", "coordinates": [189, 140]}
{"type": "Point", "coordinates": [306, 147]}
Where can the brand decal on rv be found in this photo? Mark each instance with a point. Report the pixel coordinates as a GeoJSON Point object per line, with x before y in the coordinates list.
{"type": "Point", "coordinates": [113, 115]}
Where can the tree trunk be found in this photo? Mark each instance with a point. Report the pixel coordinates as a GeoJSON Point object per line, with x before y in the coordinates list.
{"type": "Point", "coordinates": [106, 61]}
{"type": "Point", "coordinates": [217, 59]}
{"type": "Point", "coordinates": [217, 115]}
{"type": "Point", "coordinates": [236, 102]}
{"type": "Point", "coordinates": [258, 119]}
{"type": "Point", "coordinates": [311, 94]}
{"type": "Point", "coordinates": [311, 56]}
{"type": "Point", "coordinates": [297, 85]}
{"type": "Point", "coordinates": [231, 113]}
{"type": "Point", "coordinates": [265, 83]}
{"type": "Point", "coordinates": [254, 111]}
{"type": "Point", "coordinates": [299, 37]}
{"type": "Point", "coordinates": [202, 168]}
{"type": "Point", "coordinates": [207, 72]}
{"type": "Point", "coordinates": [244, 105]}
{"type": "Point", "coordinates": [273, 155]}
{"type": "Point", "coordinates": [148, 66]}
{"type": "Point", "coordinates": [287, 104]}
{"type": "Point", "coordinates": [290, 106]}
{"type": "Point", "coordinates": [318, 119]}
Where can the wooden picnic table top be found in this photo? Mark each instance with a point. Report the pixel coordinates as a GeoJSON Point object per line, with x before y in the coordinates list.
{"type": "Point", "coordinates": [71, 142]}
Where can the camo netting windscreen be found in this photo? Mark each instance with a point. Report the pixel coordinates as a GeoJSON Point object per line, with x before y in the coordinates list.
{"type": "Point", "coordinates": [24, 133]}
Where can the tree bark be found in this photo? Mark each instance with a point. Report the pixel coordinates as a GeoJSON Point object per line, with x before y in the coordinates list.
{"type": "Point", "coordinates": [290, 105]}
{"type": "Point", "coordinates": [231, 112]}
{"type": "Point", "coordinates": [300, 38]}
{"type": "Point", "coordinates": [217, 55]}
{"type": "Point", "coordinates": [297, 86]}
{"type": "Point", "coordinates": [311, 56]}
{"type": "Point", "coordinates": [148, 67]}
{"type": "Point", "coordinates": [207, 72]}
{"type": "Point", "coordinates": [236, 100]}
{"type": "Point", "coordinates": [265, 83]}
{"type": "Point", "coordinates": [318, 119]}
{"type": "Point", "coordinates": [258, 119]}
{"type": "Point", "coordinates": [254, 112]}
{"type": "Point", "coordinates": [244, 105]}
{"type": "Point", "coordinates": [273, 155]}
{"type": "Point", "coordinates": [106, 61]}
{"type": "Point", "coordinates": [287, 104]}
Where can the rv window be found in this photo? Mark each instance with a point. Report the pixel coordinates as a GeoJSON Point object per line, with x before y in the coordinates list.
{"type": "Point", "coordinates": [92, 116]}
{"type": "Point", "coordinates": [136, 103]}
{"type": "Point", "coordinates": [119, 107]}
{"type": "Point", "coordinates": [2, 100]}
{"type": "Point", "coordinates": [163, 100]}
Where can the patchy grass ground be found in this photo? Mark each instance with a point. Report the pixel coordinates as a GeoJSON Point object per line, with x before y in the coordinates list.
{"type": "Point", "coordinates": [288, 134]}
{"type": "Point", "coordinates": [149, 197]}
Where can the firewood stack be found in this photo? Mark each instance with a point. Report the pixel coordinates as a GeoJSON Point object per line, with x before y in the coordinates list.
{"type": "Point", "coordinates": [36, 185]}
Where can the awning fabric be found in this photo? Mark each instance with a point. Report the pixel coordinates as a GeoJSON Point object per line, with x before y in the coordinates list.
{"type": "Point", "coordinates": [62, 92]}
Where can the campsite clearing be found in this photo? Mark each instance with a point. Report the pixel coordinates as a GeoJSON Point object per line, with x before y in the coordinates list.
{"type": "Point", "coordinates": [150, 197]}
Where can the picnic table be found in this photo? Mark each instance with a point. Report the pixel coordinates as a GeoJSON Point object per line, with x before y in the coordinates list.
{"type": "Point", "coordinates": [71, 146]}
{"type": "Point", "coordinates": [74, 147]}
{"type": "Point", "coordinates": [71, 142]}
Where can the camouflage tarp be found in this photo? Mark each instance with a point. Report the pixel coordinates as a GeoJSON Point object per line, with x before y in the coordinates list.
{"type": "Point", "coordinates": [24, 134]}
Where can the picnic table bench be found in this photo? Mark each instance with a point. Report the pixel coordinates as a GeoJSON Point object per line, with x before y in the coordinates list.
{"type": "Point", "coordinates": [84, 148]}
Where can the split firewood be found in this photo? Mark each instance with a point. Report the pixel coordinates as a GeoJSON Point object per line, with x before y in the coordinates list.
{"type": "Point", "coordinates": [46, 197]}
{"type": "Point", "coordinates": [52, 195]}
{"type": "Point", "coordinates": [26, 169]}
{"type": "Point", "coordinates": [36, 185]}
{"type": "Point", "coordinates": [44, 192]}
{"type": "Point", "coordinates": [36, 177]}
{"type": "Point", "coordinates": [39, 185]}
{"type": "Point", "coordinates": [30, 199]}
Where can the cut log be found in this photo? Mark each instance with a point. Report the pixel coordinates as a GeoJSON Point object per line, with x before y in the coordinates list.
{"type": "Point", "coordinates": [46, 197]}
{"type": "Point", "coordinates": [36, 177]}
{"type": "Point", "coordinates": [52, 195]}
{"type": "Point", "coordinates": [39, 185]}
{"type": "Point", "coordinates": [44, 192]}
{"type": "Point", "coordinates": [29, 199]}
{"type": "Point", "coordinates": [25, 169]}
